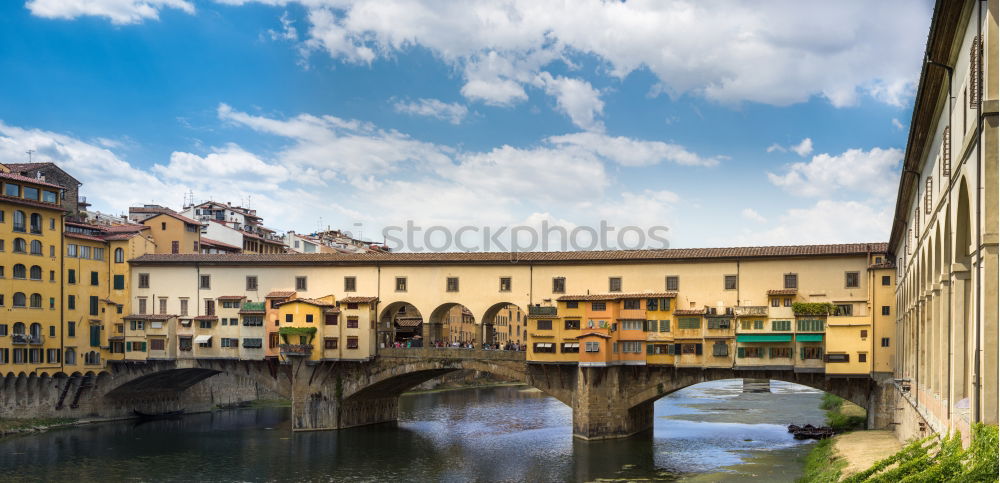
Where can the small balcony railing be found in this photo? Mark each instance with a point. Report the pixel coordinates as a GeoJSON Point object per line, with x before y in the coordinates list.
{"type": "Point", "coordinates": [750, 311]}
{"type": "Point", "coordinates": [300, 350]}
{"type": "Point", "coordinates": [544, 311]}
{"type": "Point", "coordinates": [27, 339]}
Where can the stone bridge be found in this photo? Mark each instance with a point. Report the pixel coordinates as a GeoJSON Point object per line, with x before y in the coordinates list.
{"type": "Point", "coordinates": [607, 402]}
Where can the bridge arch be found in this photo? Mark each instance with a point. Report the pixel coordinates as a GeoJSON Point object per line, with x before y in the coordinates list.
{"type": "Point", "coordinates": [508, 327]}
{"type": "Point", "coordinates": [399, 321]}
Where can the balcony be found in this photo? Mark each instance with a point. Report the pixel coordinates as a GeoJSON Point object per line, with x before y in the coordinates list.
{"type": "Point", "coordinates": [296, 350]}
{"type": "Point", "coordinates": [750, 311]}
{"type": "Point", "coordinates": [252, 307]}
{"type": "Point", "coordinates": [20, 339]}
{"type": "Point", "coordinates": [542, 311]}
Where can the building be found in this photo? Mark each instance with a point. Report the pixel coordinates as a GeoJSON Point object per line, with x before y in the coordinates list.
{"type": "Point", "coordinates": [174, 233]}
{"type": "Point", "coordinates": [73, 204]}
{"type": "Point", "coordinates": [944, 234]}
{"type": "Point", "coordinates": [235, 226]}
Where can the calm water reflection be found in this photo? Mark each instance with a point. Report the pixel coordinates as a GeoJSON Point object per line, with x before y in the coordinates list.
{"type": "Point", "coordinates": [709, 432]}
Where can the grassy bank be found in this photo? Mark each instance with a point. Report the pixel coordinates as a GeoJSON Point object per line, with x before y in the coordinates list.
{"type": "Point", "coordinates": [822, 465]}
{"type": "Point", "coordinates": [13, 426]}
{"type": "Point", "coordinates": [841, 415]}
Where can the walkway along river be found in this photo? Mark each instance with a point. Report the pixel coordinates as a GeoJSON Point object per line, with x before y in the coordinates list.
{"type": "Point", "coordinates": [709, 432]}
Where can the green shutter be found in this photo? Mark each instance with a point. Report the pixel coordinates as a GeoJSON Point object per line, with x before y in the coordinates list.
{"type": "Point", "coordinates": [119, 282]}
{"type": "Point", "coordinates": [649, 349]}
{"type": "Point", "coordinates": [740, 352]}
{"type": "Point", "coordinates": [93, 305]}
{"type": "Point", "coordinates": [802, 353]}
{"type": "Point", "coordinates": [95, 336]}
{"type": "Point", "coordinates": [94, 280]}
{"type": "Point", "coordinates": [697, 349]}
{"type": "Point", "coordinates": [144, 347]}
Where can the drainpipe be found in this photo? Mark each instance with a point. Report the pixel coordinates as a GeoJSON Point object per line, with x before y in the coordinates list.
{"type": "Point", "coordinates": [976, 416]}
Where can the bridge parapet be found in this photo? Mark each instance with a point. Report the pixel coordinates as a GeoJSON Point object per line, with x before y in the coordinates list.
{"type": "Point", "coordinates": [453, 353]}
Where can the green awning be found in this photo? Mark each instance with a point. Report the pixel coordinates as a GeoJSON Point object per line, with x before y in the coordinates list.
{"type": "Point", "coordinates": [809, 337]}
{"type": "Point", "coordinates": [764, 338]}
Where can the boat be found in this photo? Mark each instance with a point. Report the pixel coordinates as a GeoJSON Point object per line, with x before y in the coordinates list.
{"type": "Point", "coordinates": [168, 414]}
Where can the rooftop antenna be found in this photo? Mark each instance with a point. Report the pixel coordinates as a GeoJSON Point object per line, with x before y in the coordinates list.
{"type": "Point", "coordinates": [30, 152]}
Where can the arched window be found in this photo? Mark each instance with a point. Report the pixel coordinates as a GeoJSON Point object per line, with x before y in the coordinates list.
{"type": "Point", "coordinates": [70, 357]}
{"type": "Point", "coordinates": [36, 300]}
{"type": "Point", "coordinates": [36, 330]}
{"type": "Point", "coordinates": [19, 221]}
{"type": "Point", "coordinates": [19, 328]}
{"type": "Point", "coordinates": [36, 272]}
{"type": "Point", "coordinates": [119, 255]}
{"type": "Point", "coordinates": [20, 246]}
{"type": "Point", "coordinates": [20, 271]}
{"type": "Point", "coordinates": [36, 247]}
{"type": "Point", "coordinates": [36, 223]}
{"type": "Point", "coordinates": [19, 299]}
{"type": "Point", "coordinates": [92, 358]}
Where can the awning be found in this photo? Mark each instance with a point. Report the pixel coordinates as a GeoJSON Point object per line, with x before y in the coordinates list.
{"type": "Point", "coordinates": [202, 339]}
{"type": "Point", "coordinates": [571, 345]}
{"type": "Point", "coordinates": [541, 345]}
{"type": "Point", "coordinates": [764, 338]}
{"type": "Point", "coordinates": [809, 337]}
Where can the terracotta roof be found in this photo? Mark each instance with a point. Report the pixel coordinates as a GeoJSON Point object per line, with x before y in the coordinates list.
{"type": "Point", "coordinates": [318, 303]}
{"type": "Point", "coordinates": [617, 296]}
{"type": "Point", "coordinates": [28, 179]}
{"type": "Point", "coordinates": [206, 317]}
{"type": "Point", "coordinates": [36, 204]}
{"type": "Point", "coordinates": [783, 291]}
{"type": "Point", "coordinates": [230, 297]}
{"type": "Point", "coordinates": [358, 300]}
{"type": "Point", "coordinates": [597, 334]}
{"type": "Point", "coordinates": [82, 236]}
{"type": "Point", "coordinates": [154, 317]}
{"type": "Point", "coordinates": [150, 209]}
{"type": "Point", "coordinates": [174, 215]}
{"type": "Point", "coordinates": [689, 312]}
{"type": "Point", "coordinates": [409, 321]}
{"type": "Point", "coordinates": [280, 294]}
{"type": "Point", "coordinates": [216, 243]}
{"type": "Point", "coordinates": [617, 256]}
{"type": "Point", "coordinates": [124, 228]}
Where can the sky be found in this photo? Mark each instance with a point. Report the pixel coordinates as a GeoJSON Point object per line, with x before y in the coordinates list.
{"type": "Point", "coordinates": [726, 123]}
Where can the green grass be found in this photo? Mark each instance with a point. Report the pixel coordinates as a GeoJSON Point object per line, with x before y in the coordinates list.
{"type": "Point", "coordinates": [842, 415]}
{"type": "Point", "coordinates": [821, 466]}
{"type": "Point", "coordinates": [830, 401]}
{"type": "Point", "coordinates": [14, 425]}
{"type": "Point", "coordinates": [933, 460]}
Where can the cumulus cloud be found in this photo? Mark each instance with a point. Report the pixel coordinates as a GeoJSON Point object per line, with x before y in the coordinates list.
{"type": "Point", "coordinates": [451, 112]}
{"type": "Point", "coordinates": [633, 152]}
{"type": "Point", "coordinates": [897, 124]}
{"type": "Point", "coordinates": [751, 214]}
{"type": "Point", "coordinates": [827, 221]}
{"type": "Point", "coordinates": [117, 11]}
{"type": "Point", "coordinates": [804, 148]}
{"type": "Point", "coordinates": [873, 172]}
{"type": "Point", "coordinates": [577, 99]}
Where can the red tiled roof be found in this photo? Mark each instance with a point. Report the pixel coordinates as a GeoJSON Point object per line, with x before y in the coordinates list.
{"type": "Point", "coordinates": [280, 294]}
{"type": "Point", "coordinates": [689, 312]}
{"type": "Point", "coordinates": [230, 297]}
{"type": "Point", "coordinates": [176, 216]}
{"type": "Point", "coordinates": [124, 228]}
{"type": "Point", "coordinates": [206, 317]}
{"type": "Point", "coordinates": [616, 296]}
{"type": "Point", "coordinates": [150, 209]}
{"type": "Point", "coordinates": [28, 179]}
{"type": "Point", "coordinates": [358, 300]}
{"type": "Point", "coordinates": [783, 291]}
{"type": "Point", "coordinates": [216, 243]}
{"type": "Point", "coordinates": [617, 256]}
{"type": "Point", "coordinates": [83, 236]}
{"type": "Point", "coordinates": [154, 317]}
{"type": "Point", "coordinates": [318, 303]}
{"type": "Point", "coordinates": [35, 204]}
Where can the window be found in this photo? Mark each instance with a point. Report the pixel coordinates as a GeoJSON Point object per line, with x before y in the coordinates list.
{"type": "Point", "coordinates": [730, 282]}
{"type": "Point", "coordinates": [30, 193]}
{"type": "Point", "coordinates": [633, 324]}
{"type": "Point", "coordinates": [20, 271]}
{"type": "Point", "coordinates": [838, 358]}
{"type": "Point", "coordinates": [36, 221]}
{"type": "Point", "coordinates": [330, 343]}
{"type": "Point", "coordinates": [544, 347]}
{"type": "Point", "coordinates": [544, 325]}
{"type": "Point", "coordinates": [598, 306]}
{"type": "Point", "coordinates": [205, 324]}
{"type": "Point", "coordinates": [572, 304]}
{"type": "Point", "coordinates": [157, 344]}
{"type": "Point", "coordinates": [229, 342]}
{"type": "Point", "coordinates": [94, 305]}
{"type": "Point", "coordinates": [142, 305]}
{"type": "Point", "coordinates": [52, 250]}
{"type": "Point", "coordinates": [137, 325]}
{"type": "Point", "coordinates": [205, 282]}
{"type": "Point", "coordinates": [52, 275]}
{"type": "Point", "coordinates": [691, 349]}
{"type": "Point", "coordinates": [781, 325]}
{"type": "Point", "coordinates": [787, 302]}
{"type": "Point", "coordinates": [593, 346]}
{"type": "Point", "coordinates": [301, 283]}
{"type": "Point", "coordinates": [559, 285]}
{"type": "Point", "coordinates": [631, 347]}
{"type": "Point", "coordinates": [886, 280]}
{"type": "Point", "coordinates": [720, 349]}
{"type": "Point", "coordinates": [352, 342]}
{"type": "Point", "coordinates": [572, 324]}
{"type": "Point", "coordinates": [400, 284]}
{"type": "Point", "coordinates": [632, 304]}
{"type": "Point", "coordinates": [885, 310]}
{"type": "Point", "coordinates": [20, 246]}
{"type": "Point", "coordinates": [209, 307]}
{"type": "Point", "coordinates": [350, 284]}
{"type": "Point", "coordinates": [791, 280]}
{"type": "Point", "coordinates": [289, 318]}
{"type": "Point", "coordinates": [36, 247]}
{"type": "Point", "coordinates": [143, 280]}
{"type": "Point", "coordinates": [505, 284]}
{"type": "Point", "coordinates": [98, 253]}
{"type": "Point", "coordinates": [451, 285]}
{"type": "Point", "coordinates": [184, 306]}
{"type": "Point", "coordinates": [84, 251]}
{"type": "Point", "coordinates": [862, 357]}
{"type": "Point", "coordinates": [175, 246]}
{"type": "Point", "coordinates": [716, 323]}
{"type": "Point", "coordinates": [809, 325]}
{"type": "Point", "coordinates": [615, 284]}
{"type": "Point", "coordinates": [673, 282]}
{"type": "Point", "coordinates": [864, 334]}
{"type": "Point", "coordinates": [119, 282]}
{"type": "Point", "coordinates": [309, 318]}
{"type": "Point", "coordinates": [19, 299]}
{"type": "Point", "coordinates": [184, 343]}
{"type": "Point", "coordinates": [163, 305]}
{"type": "Point", "coordinates": [844, 309]}
{"type": "Point", "coordinates": [570, 347]}
{"type": "Point", "coordinates": [352, 322]}
{"type": "Point", "coordinates": [852, 279]}
{"type": "Point", "coordinates": [71, 302]}
{"type": "Point", "coordinates": [781, 353]}
{"type": "Point", "coordinates": [758, 325]}
{"type": "Point", "coordinates": [664, 326]}
{"type": "Point", "coordinates": [885, 342]}
{"type": "Point", "coordinates": [119, 255]}
{"type": "Point", "coordinates": [95, 278]}
{"type": "Point", "coordinates": [12, 190]}
{"type": "Point", "coordinates": [749, 352]}
{"type": "Point", "coordinates": [253, 342]}
{"type": "Point", "coordinates": [19, 220]}
{"type": "Point", "coordinates": [251, 282]}
{"type": "Point", "coordinates": [689, 323]}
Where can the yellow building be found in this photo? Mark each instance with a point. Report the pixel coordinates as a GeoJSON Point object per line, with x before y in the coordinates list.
{"type": "Point", "coordinates": [174, 233]}
{"type": "Point", "coordinates": [323, 329]}
{"type": "Point", "coordinates": [31, 224]}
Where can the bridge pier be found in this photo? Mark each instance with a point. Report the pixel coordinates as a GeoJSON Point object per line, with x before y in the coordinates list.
{"type": "Point", "coordinates": [601, 407]}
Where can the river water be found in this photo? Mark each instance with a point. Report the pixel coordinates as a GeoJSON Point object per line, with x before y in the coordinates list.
{"type": "Point", "coordinates": [709, 432]}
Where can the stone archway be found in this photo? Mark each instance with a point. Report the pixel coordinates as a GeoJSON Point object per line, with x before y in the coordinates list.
{"type": "Point", "coordinates": [504, 322]}
{"type": "Point", "coordinates": [399, 322]}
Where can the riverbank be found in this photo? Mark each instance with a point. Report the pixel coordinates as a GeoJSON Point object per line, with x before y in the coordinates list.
{"type": "Point", "coordinates": [851, 451]}
{"type": "Point", "coordinates": [33, 425]}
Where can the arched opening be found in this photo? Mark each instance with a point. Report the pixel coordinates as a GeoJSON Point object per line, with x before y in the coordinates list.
{"type": "Point", "coordinates": [20, 246]}
{"type": "Point", "coordinates": [36, 300]}
{"type": "Point", "coordinates": [70, 358]}
{"type": "Point", "coordinates": [35, 273]}
{"type": "Point", "coordinates": [19, 221]}
{"type": "Point", "coordinates": [453, 325]}
{"type": "Point", "coordinates": [36, 223]}
{"type": "Point", "coordinates": [20, 271]}
{"type": "Point", "coordinates": [20, 300]}
{"type": "Point", "coordinates": [504, 326]}
{"type": "Point", "coordinates": [119, 255]}
{"type": "Point", "coordinates": [963, 293]}
{"type": "Point", "coordinates": [400, 325]}
{"type": "Point", "coordinates": [36, 247]}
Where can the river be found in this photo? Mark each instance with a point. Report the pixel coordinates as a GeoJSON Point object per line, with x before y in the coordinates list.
{"type": "Point", "coordinates": [709, 432]}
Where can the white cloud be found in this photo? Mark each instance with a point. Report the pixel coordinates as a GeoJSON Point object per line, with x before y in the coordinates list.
{"type": "Point", "coordinates": [774, 53]}
{"type": "Point", "coordinates": [451, 112]}
{"type": "Point", "coordinates": [751, 214]}
{"type": "Point", "coordinates": [117, 11]}
{"type": "Point", "coordinates": [803, 148]}
{"type": "Point", "coordinates": [827, 221]}
{"type": "Point", "coordinates": [897, 124]}
{"type": "Point", "coordinates": [577, 99]}
{"type": "Point", "coordinates": [873, 172]}
{"type": "Point", "coordinates": [633, 152]}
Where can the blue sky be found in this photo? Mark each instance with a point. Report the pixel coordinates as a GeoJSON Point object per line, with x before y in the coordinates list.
{"type": "Point", "coordinates": [731, 123]}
